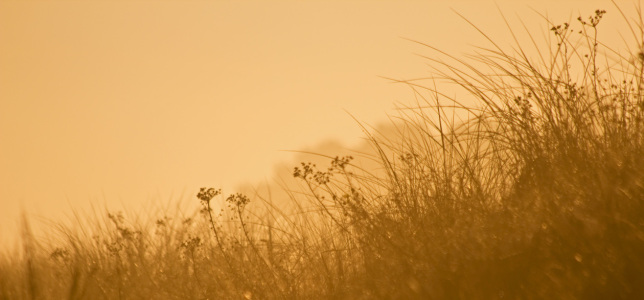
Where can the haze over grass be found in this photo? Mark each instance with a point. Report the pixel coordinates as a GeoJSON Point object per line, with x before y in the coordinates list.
{"type": "Point", "coordinates": [537, 192]}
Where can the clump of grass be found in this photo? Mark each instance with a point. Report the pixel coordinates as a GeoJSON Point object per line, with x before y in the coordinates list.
{"type": "Point", "coordinates": [536, 191]}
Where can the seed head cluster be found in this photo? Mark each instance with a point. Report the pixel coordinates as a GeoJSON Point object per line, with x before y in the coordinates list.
{"type": "Point", "coordinates": [206, 195]}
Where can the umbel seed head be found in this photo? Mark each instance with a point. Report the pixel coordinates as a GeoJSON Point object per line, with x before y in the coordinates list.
{"type": "Point", "coordinates": [206, 195]}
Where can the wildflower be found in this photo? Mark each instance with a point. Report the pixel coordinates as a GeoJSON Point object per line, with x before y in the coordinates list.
{"type": "Point", "coordinates": [206, 195]}
{"type": "Point", "coordinates": [307, 169]}
{"type": "Point", "coordinates": [341, 162]}
{"type": "Point", "coordinates": [239, 200]}
{"type": "Point", "coordinates": [322, 177]}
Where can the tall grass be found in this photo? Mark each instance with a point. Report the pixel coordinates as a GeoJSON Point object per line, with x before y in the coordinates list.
{"type": "Point", "coordinates": [535, 192]}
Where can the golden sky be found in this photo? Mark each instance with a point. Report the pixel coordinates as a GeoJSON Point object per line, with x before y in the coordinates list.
{"type": "Point", "coordinates": [132, 102]}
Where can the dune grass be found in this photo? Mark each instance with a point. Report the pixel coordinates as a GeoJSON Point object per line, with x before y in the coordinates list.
{"type": "Point", "coordinates": [535, 192]}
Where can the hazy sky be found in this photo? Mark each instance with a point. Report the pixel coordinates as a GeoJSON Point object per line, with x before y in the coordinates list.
{"type": "Point", "coordinates": [130, 102]}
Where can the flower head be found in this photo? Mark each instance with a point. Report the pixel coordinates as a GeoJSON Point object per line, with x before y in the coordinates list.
{"type": "Point", "coordinates": [239, 200]}
{"type": "Point", "coordinates": [206, 195]}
